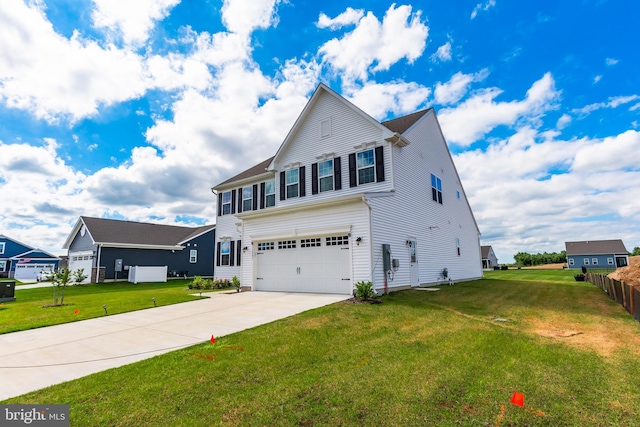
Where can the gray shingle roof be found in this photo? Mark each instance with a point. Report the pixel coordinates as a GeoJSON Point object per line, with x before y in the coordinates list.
{"type": "Point", "coordinates": [485, 251]}
{"type": "Point", "coordinates": [256, 170]}
{"type": "Point", "coordinates": [595, 247]}
{"type": "Point", "coordinates": [139, 233]}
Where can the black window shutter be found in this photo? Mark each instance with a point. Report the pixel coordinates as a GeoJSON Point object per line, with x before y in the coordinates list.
{"type": "Point", "coordinates": [219, 204]}
{"type": "Point", "coordinates": [218, 254]}
{"type": "Point", "coordinates": [233, 201]}
{"type": "Point", "coordinates": [283, 186]}
{"type": "Point", "coordinates": [379, 164]}
{"type": "Point", "coordinates": [303, 181]}
{"type": "Point", "coordinates": [254, 194]}
{"type": "Point", "coordinates": [314, 178]}
{"type": "Point", "coordinates": [239, 252]}
{"type": "Point", "coordinates": [240, 200]}
{"type": "Point", "coordinates": [232, 245]}
{"type": "Point", "coordinates": [337, 173]}
{"type": "Point", "coordinates": [353, 181]}
{"type": "Point", "coordinates": [262, 194]}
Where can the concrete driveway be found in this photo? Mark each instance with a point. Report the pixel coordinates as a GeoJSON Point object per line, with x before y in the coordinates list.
{"type": "Point", "coordinates": [38, 358]}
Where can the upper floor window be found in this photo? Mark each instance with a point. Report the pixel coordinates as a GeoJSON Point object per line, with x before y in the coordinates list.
{"type": "Point", "coordinates": [226, 203]}
{"type": "Point", "coordinates": [2, 247]}
{"type": "Point", "coordinates": [366, 167]}
{"type": "Point", "coordinates": [270, 193]}
{"type": "Point", "coordinates": [325, 175]}
{"type": "Point", "coordinates": [436, 189]}
{"type": "Point", "coordinates": [193, 256]}
{"type": "Point", "coordinates": [458, 245]}
{"type": "Point", "coordinates": [247, 198]}
{"type": "Point", "coordinates": [291, 180]}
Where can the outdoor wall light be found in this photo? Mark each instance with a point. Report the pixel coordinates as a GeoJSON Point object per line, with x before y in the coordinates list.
{"type": "Point", "coordinates": [358, 240]}
{"type": "Point", "coordinates": [245, 249]}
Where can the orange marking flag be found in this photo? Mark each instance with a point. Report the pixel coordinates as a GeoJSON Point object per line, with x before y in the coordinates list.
{"type": "Point", "coordinates": [518, 399]}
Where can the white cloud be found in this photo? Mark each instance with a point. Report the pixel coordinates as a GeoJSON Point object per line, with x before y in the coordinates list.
{"type": "Point", "coordinates": [452, 91]}
{"type": "Point", "coordinates": [614, 102]}
{"type": "Point", "coordinates": [612, 153]}
{"type": "Point", "coordinates": [244, 16]}
{"type": "Point", "coordinates": [482, 7]}
{"type": "Point", "coordinates": [597, 78]}
{"type": "Point", "coordinates": [130, 20]}
{"type": "Point", "coordinates": [398, 98]}
{"type": "Point", "coordinates": [375, 46]}
{"type": "Point", "coordinates": [563, 121]}
{"type": "Point", "coordinates": [348, 17]}
{"type": "Point", "coordinates": [611, 61]}
{"type": "Point", "coordinates": [443, 54]}
{"type": "Point", "coordinates": [479, 114]}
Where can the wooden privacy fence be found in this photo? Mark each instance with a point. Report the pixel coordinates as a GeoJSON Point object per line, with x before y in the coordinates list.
{"type": "Point", "coordinates": [625, 294]}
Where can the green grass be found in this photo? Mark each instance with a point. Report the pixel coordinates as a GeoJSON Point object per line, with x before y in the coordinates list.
{"type": "Point", "coordinates": [28, 311]}
{"type": "Point", "coordinates": [532, 274]}
{"type": "Point", "coordinates": [419, 359]}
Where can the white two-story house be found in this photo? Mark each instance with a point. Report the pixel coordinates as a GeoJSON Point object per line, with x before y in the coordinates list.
{"type": "Point", "coordinates": [347, 199]}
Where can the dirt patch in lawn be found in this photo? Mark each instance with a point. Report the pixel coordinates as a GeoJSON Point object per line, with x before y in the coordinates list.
{"type": "Point", "coordinates": [605, 338]}
{"type": "Point", "coordinates": [558, 266]}
{"type": "Point", "coordinates": [629, 274]}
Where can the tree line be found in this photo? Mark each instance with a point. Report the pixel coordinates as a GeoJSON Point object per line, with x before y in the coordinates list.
{"type": "Point", "coordinates": [526, 259]}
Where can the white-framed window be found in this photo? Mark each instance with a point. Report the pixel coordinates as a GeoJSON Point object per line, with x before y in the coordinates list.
{"type": "Point", "coordinates": [571, 261]}
{"type": "Point", "coordinates": [292, 182]}
{"type": "Point", "coordinates": [287, 244]}
{"type": "Point", "coordinates": [610, 261]}
{"type": "Point", "coordinates": [247, 198]}
{"type": "Point", "coordinates": [193, 256]}
{"type": "Point", "coordinates": [226, 203]}
{"type": "Point", "coordinates": [365, 164]}
{"type": "Point", "coordinates": [2, 244]}
{"type": "Point", "coordinates": [586, 261]}
{"type": "Point", "coordinates": [2, 265]}
{"type": "Point", "coordinates": [310, 243]}
{"type": "Point", "coordinates": [337, 241]}
{"type": "Point", "coordinates": [225, 252]}
{"type": "Point", "coordinates": [266, 246]}
{"type": "Point", "coordinates": [436, 189]}
{"type": "Point", "coordinates": [269, 193]}
{"type": "Point", "coordinates": [594, 261]}
{"type": "Point", "coordinates": [325, 175]}
{"type": "Point", "coordinates": [458, 245]}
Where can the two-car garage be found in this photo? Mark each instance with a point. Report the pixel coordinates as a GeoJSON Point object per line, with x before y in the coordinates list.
{"type": "Point", "coordinates": [313, 264]}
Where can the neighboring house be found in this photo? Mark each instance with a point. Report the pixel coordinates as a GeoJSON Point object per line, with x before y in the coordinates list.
{"type": "Point", "coordinates": [116, 245]}
{"type": "Point", "coordinates": [348, 199]}
{"type": "Point", "coordinates": [597, 254]}
{"type": "Point", "coordinates": [23, 262]}
{"type": "Point", "coordinates": [489, 259]}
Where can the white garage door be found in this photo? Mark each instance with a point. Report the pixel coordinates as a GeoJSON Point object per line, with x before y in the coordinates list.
{"type": "Point", "coordinates": [27, 272]}
{"type": "Point", "coordinates": [78, 260]}
{"type": "Point", "coordinates": [320, 264]}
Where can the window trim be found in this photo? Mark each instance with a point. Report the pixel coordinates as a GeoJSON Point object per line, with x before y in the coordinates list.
{"type": "Point", "coordinates": [610, 261]}
{"type": "Point", "coordinates": [227, 203]}
{"type": "Point", "coordinates": [436, 189]}
{"type": "Point", "coordinates": [2, 247]}
{"type": "Point", "coordinates": [329, 176]}
{"type": "Point", "coordinates": [193, 256]}
{"type": "Point", "coordinates": [247, 199]}
{"type": "Point", "coordinates": [571, 261]}
{"type": "Point", "coordinates": [267, 194]}
{"type": "Point", "coordinates": [372, 166]}
{"type": "Point", "coordinates": [594, 261]}
{"type": "Point", "coordinates": [585, 261]}
{"type": "Point", "coordinates": [296, 184]}
{"type": "Point", "coordinates": [226, 243]}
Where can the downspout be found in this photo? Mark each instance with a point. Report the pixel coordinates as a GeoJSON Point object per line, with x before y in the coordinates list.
{"type": "Point", "coordinates": [98, 264]}
{"type": "Point", "coordinates": [371, 263]}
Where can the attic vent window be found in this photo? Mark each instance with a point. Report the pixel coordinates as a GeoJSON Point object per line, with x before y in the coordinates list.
{"type": "Point", "coordinates": [325, 128]}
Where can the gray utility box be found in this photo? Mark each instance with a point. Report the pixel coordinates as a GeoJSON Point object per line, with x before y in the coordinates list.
{"type": "Point", "coordinates": [7, 291]}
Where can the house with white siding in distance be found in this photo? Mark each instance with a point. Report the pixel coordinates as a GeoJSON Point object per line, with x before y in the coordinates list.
{"type": "Point", "coordinates": [347, 199]}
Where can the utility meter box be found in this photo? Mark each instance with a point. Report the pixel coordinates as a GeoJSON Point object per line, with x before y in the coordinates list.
{"type": "Point", "coordinates": [118, 266]}
{"type": "Point", "coordinates": [386, 257]}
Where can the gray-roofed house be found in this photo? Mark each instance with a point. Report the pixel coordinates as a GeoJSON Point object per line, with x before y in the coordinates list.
{"type": "Point", "coordinates": [96, 243]}
{"type": "Point", "coordinates": [597, 254]}
{"type": "Point", "coordinates": [345, 199]}
{"type": "Point", "coordinates": [489, 259]}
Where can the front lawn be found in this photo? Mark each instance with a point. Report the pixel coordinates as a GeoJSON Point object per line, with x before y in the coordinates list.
{"type": "Point", "coordinates": [28, 311]}
{"type": "Point", "coordinates": [446, 358]}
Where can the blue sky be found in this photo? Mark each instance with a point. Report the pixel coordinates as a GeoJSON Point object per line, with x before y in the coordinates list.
{"type": "Point", "coordinates": [122, 109]}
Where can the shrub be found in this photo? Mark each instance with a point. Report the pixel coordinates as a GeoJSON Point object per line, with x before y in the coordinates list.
{"type": "Point", "coordinates": [235, 282]}
{"type": "Point", "coordinates": [364, 290]}
{"type": "Point", "coordinates": [198, 283]}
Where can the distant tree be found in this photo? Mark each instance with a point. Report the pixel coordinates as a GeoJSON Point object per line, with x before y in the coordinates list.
{"type": "Point", "coordinates": [636, 251]}
{"type": "Point", "coordinates": [61, 278]}
{"type": "Point", "coordinates": [525, 259]}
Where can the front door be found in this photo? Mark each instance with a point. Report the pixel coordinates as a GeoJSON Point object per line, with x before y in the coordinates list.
{"type": "Point", "coordinates": [413, 263]}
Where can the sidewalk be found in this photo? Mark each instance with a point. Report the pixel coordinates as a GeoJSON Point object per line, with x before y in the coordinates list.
{"type": "Point", "coordinates": [34, 359]}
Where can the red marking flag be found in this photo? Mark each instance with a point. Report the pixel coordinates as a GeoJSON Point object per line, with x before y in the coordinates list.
{"type": "Point", "coordinates": [518, 399]}
{"type": "Point", "coordinates": [213, 339]}
{"type": "Point", "coordinates": [76, 312]}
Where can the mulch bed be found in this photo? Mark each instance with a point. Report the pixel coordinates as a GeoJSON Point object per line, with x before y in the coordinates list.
{"type": "Point", "coordinates": [355, 300]}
